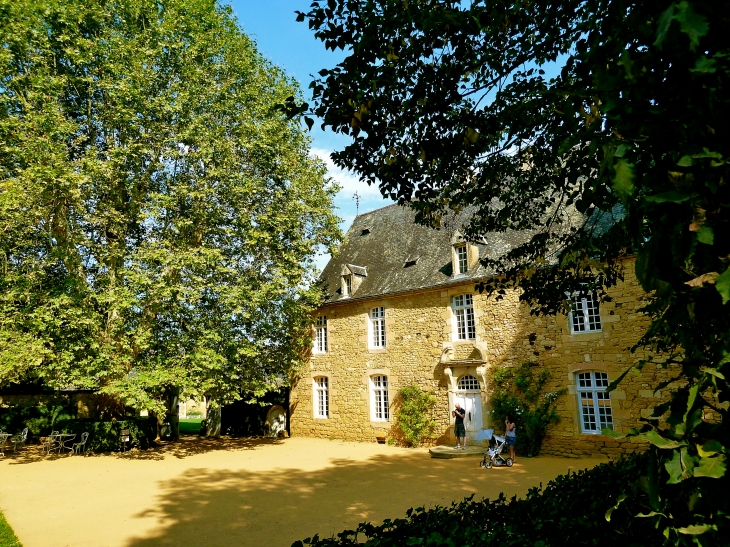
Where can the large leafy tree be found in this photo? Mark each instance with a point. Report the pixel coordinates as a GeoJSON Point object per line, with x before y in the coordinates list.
{"type": "Point", "coordinates": [158, 218]}
{"type": "Point", "coordinates": [600, 125]}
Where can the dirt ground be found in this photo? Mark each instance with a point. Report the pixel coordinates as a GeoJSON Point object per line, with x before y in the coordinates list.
{"type": "Point", "coordinates": [246, 492]}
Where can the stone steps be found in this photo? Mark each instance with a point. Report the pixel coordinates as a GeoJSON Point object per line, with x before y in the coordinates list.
{"type": "Point", "coordinates": [449, 452]}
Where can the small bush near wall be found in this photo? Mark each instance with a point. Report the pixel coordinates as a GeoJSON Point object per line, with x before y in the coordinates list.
{"type": "Point", "coordinates": [519, 392]}
{"type": "Point", "coordinates": [104, 436]}
{"type": "Point", "coordinates": [414, 414]}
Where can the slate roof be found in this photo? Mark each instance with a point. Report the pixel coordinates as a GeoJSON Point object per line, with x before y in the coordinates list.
{"type": "Point", "coordinates": [385, 240]}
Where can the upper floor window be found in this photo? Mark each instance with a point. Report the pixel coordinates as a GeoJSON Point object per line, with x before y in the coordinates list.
{"type": "Point", "coordinates": [462, 265]}
{"type": "Point", "coordinates": [379, 398]}
{"type": "Point", "coordinates": [320, 339]}
{"type": "Point", "coordinates": [321, 397]}
{"type": "Point", "coordinates": [377, 327]}
{"type": "Point", "coordinates": [594, 400]}
{"type": "Point", "coordinates": [464, 312]}
{"type": "Point", "coordinates": [585, 315]}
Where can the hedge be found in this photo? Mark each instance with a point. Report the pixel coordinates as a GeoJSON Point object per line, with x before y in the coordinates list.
{"type": "Point", "coordinates": [571, 510]}
{"type": "Point", "coordinates": [104, 436]}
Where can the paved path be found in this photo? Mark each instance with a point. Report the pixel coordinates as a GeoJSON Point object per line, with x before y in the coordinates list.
{"type": "Point", "coordinates": [239, 492]}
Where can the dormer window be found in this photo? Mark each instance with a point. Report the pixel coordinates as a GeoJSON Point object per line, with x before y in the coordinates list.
{"type": "Point", "coordinates": [464, 255]}
{"type": "Point", "coordinates": [365, 231]}
{"type": "Point", "coordinates": [352, 276]}
{"type": "Point", "coordinates": [462, 263]}
{"type": "Point", "coordinates": [348, 285]}
{"type": "Point", "coordinates": [411, 262]}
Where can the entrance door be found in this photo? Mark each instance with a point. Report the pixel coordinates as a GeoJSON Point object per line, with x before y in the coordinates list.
{"type": "Point", "coordinates": [472, 404]}
{"type": "Point", "coordinates": [469, 397]}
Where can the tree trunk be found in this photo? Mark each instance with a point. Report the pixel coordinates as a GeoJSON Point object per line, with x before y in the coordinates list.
{"type": "Point", "coordinates": [173, 413]}
{"type": "Point", "coordinates": [213, 419]}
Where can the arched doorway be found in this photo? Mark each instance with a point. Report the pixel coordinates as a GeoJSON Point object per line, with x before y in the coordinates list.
{"type": "Point", "coordinates": [468, 395]}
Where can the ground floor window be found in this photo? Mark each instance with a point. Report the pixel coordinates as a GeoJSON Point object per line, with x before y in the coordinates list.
{"type": "Point", "coordinates": [379, 398]}
{"type": "Point", "coordinates": [321, 397]}
{"type": "Point", "coordinates": [595, 402]}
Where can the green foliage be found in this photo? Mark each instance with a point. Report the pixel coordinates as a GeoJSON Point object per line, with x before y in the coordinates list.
{"type": "Point", "coordinates": [104, 436]}
{"type": "Point", "coordinates": [40, 419]}
{"type": "Point", "coordinates": [519, 392]}
{"type": "Point", "coordinates": [158, 217]}
{"type": "Point", "coordinates": [600, 126]}
{"type": "Point", "coordinates": [569, 511]}
{"type": "Point", "coordinates": [7, 536]}
{"type": "Point", "coordinates": [414, 415]}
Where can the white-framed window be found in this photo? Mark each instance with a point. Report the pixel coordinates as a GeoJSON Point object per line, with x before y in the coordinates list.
{"type": "Point", "coordinates": [321, 397]}
{"type": "Point", "coordinates": [379, 398]}
{"type": "Point", "coordinates": [594, 401]}
{"type": "Point", "coordinates": [320, 338]}
{"type": "Point", "coordinates": [585, 315]}
{"type": "Point", "coordinates": [377, 327]}
{"type": "Point", "coordinates": [463, 306]}
{"type": "Point", "coordinates": [468, 383]}
{"type": "Point", "coordinates": [348, 285]}
{"type": "Point", "coordinates": [462, 265]}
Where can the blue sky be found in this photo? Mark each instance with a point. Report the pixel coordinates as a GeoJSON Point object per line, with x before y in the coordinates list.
{"type": "Point", "coordinates": [292, 46]}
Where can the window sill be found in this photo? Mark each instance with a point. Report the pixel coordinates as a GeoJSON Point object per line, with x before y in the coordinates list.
{"type": "Point", "coordinates": [595, 437]}
{"type": "Point", "coordinates": [586, 332]}
{"type": "Point", "coordinates": [377, 350]}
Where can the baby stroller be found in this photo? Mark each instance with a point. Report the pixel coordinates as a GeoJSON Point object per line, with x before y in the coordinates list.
{"type": "Point", "coordinates": [493, 456]}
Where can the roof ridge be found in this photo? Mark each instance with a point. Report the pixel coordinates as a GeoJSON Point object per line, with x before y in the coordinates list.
{"type": "Point", "coordinates": [376, 210]}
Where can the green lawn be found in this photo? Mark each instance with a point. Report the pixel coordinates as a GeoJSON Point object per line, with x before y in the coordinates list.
{"type": "Point", "coordinates": [7, 537]}
{"type": "Point", "coordinates": [190, 426]}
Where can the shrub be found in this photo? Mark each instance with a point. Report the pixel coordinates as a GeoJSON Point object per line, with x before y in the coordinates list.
{"type": "Point", "coordinates": [584, 508]}
{"type": "Point", "coordinates": [519, 393]}
{"type": "Point", "coordinates": [104, 436]}
{"type": "Point", "coordinates": [414, 417]}
{"type": "Point", "coordinates": [39, 418]}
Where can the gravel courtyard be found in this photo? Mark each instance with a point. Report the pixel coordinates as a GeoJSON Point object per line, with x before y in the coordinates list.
{"type": "Point", "coordinates": [239, 493]}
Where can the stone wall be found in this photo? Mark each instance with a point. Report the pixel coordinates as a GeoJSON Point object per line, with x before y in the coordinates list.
{"type": "Point", "coordinates": [420, 348]}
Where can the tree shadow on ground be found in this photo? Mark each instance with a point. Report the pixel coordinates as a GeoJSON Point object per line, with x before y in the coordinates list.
{"type": "Point", "coordinates": [185, 447]}
{"type": "Point", "coordinates": [277, 507]}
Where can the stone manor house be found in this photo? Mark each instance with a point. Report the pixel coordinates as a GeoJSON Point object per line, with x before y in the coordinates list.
{"type": "Point", "coordinates": [401, 307]}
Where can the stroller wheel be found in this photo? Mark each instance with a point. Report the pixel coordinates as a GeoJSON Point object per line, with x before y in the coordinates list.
{"type": "Point", "coordinates": [509, 462]}
{"type": "Point", "coordinates": [489, 464]}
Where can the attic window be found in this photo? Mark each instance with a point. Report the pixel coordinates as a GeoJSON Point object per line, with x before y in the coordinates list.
{"type": "Point", "coordinates": [411, 262]}
{"type": "Point", "coordinates": [365, 231]}
{"type": "Point", "coordinates": [348, 285]}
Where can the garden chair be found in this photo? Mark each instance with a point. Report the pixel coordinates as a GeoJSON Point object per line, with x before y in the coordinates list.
{"type": "Point", "coordinates": [124, 438]}
{"type": "Point", "coordinates": [3, 438]}
{"type": "Point", "coordinates": [19, 439]}
{"type": "Point", "coordinates": [51, 442]}
{"type": "Point", "coordinates": [79, 447]}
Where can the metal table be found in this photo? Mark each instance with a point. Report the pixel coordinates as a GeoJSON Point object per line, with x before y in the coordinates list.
{"type": "Point", "coordinates": [64, 438]}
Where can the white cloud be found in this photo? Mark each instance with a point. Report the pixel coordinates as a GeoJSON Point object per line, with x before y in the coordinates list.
{"type": "Point", "coordinates": [350, 183]}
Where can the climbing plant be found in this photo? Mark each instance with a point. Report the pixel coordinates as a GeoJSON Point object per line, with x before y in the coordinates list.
{"type": "Point", "coordinates": [520, 393]}
{"type": "Point", "coordinates": [414, 417]}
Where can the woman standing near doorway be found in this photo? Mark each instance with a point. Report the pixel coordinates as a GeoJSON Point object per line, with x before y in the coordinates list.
{"type": "Point", "coordinates": [510, 434]}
